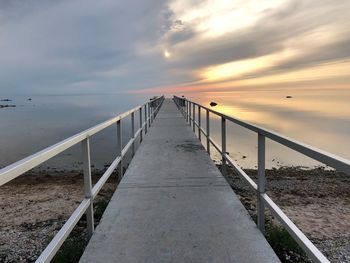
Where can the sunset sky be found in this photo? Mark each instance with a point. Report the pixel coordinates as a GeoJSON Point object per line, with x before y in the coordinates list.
{"type": "Point", "coordinates": [108, 46]}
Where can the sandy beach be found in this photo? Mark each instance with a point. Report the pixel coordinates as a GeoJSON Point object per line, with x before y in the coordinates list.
{"type": "Point", "coordinates": [36, 205]}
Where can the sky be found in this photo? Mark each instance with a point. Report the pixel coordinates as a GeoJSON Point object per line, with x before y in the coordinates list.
{"type": "Point", "coordinates": [159, 46]}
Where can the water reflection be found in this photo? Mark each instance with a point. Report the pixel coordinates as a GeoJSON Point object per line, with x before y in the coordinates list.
{"type": "Point", "coordinates": [318, 118]}
{"type": "Point", "coordinates": [45, 120]}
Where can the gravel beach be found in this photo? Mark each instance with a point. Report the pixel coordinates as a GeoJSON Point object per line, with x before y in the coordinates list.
{"type": "Point", "coordinates": [35, 206]}
{"type": "Point", "coordinates": [316, 200]}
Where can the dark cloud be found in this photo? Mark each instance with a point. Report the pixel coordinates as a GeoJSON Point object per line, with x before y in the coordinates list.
{"type": "Point", "coordinates": [73, 41]}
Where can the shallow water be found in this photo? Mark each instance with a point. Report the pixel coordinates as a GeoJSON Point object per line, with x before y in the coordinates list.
{"type": "Point", "coordinates": [45, 120]}
{"type": "Point", "coordinates": [320, 118]}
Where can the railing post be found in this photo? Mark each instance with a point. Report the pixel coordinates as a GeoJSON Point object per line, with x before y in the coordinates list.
{"type": "Point", "coordinates": [152, 112]}
{"type": "Point", "coordinates": [208, 132]}
{"type": "Point", "coordinates": [88, 186]}
{"type": "Point", "coordinates": [120, 148]}
{"type": "Point", "coordinates": [261, 183]}
{"type": "Point", "coordinates": [199, 124]}
{"type": "Point", "coordinates": [194, 117]}
{"type": "Point", "coordinates": [149, 115]}
{"type": "Point", "coordinates": [133, 133]}
{"type": "Point", "coordinates": [140, 113]}
{"type": "Point", "coordinates": [146, 119]}
{"type": "Point", "coordinates": [190, 114]}
{"type": "Point", "coordinates": [187, 104]}
{"type": "Point", "coordinates": [223, 144]}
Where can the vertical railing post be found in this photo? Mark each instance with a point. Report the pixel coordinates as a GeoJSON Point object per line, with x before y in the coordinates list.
{"type": "Point", "coordinates": [120, 148]}
{"type": "Point", "coordinates": [146, 119]}
{"type": "Point", "coordinates": [187, 110]}
{"type": "Point", "coordinates": [140, 113]}
{"type": "Point", "coordinates": [152, 114]}
{"type": "Point", "coordinates": [149, 115]}
{"type": "Point", "coordinates": [223, 144]}
{"type": "Point", "coordinates": [261, 183]}
{"type": "Point", "coordinates": [190, 114]}
{"type": "Point", "coordinates": [199, 124]}
{"type": "Point", "coordinates": [88, 186]}
{"type": "Point", "coordinates": [194, 117]}
{"type": "Point", "coordinates": [208, 132]}
{"type": "Point", "coordinates": [133, 133]}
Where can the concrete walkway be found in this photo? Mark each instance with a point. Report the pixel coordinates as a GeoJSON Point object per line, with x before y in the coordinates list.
{"type": "Point", "coordinates": [173, 205]}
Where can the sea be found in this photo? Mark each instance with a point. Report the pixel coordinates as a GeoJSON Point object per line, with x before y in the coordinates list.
{"type": "Point", "coordinates": [320, 118]}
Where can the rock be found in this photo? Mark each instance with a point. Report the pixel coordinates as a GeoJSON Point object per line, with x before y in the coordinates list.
{"type": "Point", "coordinates": [5, 100]}
{"type": "Point", "coordinates": [7, 106]}
{"type": "Point", "coordinates": [213, 104]}
{"type": "Point", "coordinates": [244, 156]}
{"type": "Point", "coordinates": [289, 97]}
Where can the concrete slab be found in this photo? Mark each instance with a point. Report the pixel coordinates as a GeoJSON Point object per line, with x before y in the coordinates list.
{"type": "Point", "coordinates": [173, 205]}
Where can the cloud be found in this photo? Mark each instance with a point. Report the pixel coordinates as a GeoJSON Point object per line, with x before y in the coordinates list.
{"type": "Point", "coordinates": [271, 34]}
{"type": "Point", "coordinates": [111, 46]}
{"type": "Point", "coordinates": [45, 48]}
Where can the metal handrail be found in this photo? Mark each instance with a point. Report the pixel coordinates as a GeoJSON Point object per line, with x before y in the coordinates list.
{"type": "Point", "coordinates": [188, 109]}
{"type": "Point", "coordinates": [16, 169]}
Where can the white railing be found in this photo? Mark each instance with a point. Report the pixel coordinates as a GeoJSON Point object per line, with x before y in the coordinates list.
{"type": "Point", "coordinates": [147, 113]}
{"type": "Point", "coordinates": [188, 109]}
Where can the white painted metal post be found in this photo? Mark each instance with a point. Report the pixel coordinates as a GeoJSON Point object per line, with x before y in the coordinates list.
{"type": "Point", "coordinates": [208, 132]}
{"type": "Point", "coordinates": [152, 112]}
{"type": "Point", "coordinates": [187, 110]}
{"type": "Point", "coordinates": [140, 113]}
{"type": "Point", "coordinates": [119, 148]}
{"type": "Point", "coordinates": [146, 119]}
{"type": "Point", "coordinates": [223, 144]}
{"type": "Point", "coordinates": [88, 186]}
{"type": "Point", "coordinates": [149, 115]}
{"type": "Point", "coordinates": [199, 124]}
{"type": "Point", "coordinates": [190, 113]}
{"type": "Point", "coordinates": [194, 117]}
{"type": "Point", "coordinates": [261, 183]}
{"type": "Point", "coordinates": [133, 133]}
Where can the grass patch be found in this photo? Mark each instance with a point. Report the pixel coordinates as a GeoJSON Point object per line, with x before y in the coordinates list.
{"type": "Point", "coordinates": [100, 207]}
{"type": "Point", "coordinates": [285, 247]}
{"type": "Point", "coordinates": [74, 246]}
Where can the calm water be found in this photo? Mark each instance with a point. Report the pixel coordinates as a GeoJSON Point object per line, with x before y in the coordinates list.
{"type": "Point", "coordinates": [45, 120]}
{"type": "Point", "coordinates": [318, 118]}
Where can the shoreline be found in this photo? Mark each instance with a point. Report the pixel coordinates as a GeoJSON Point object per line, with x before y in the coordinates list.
{"type": "Point", "coordinates": [35, 205]}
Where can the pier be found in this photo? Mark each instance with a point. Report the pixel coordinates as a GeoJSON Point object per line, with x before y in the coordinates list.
{"type": "Point", "coordinates": [173, 205]}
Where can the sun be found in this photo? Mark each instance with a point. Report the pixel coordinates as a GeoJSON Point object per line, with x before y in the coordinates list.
{"type": "Point", "coordinates": [167, 54]}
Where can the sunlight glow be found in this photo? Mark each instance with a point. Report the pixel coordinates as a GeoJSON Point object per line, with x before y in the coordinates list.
{"type": "Point", "coordinates": [323, 71]}
{"type": "Point", "coordinates": [241, 67]}
{"type": "Point", "coordinates": [167, 54]}
{"type": "Point", "coordinates": [217, 17]}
